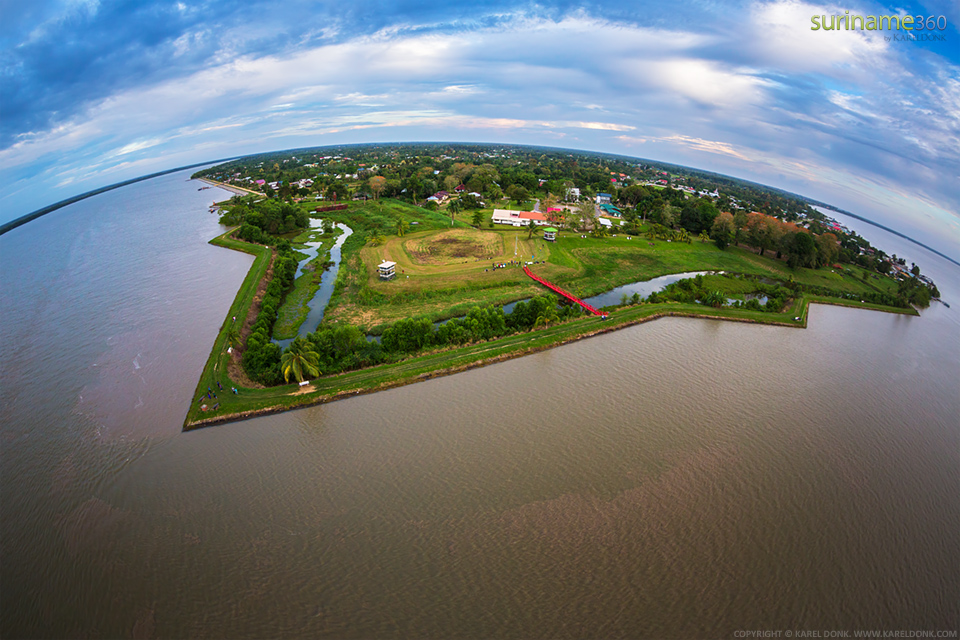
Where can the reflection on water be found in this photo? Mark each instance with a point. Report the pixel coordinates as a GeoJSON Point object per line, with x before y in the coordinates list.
{"type": "Point", "coordinates": [318, 303]}
{"type": "Point", "coordinates": [642, 288]}
{"type": "Point", "coordinates": [681, 478]}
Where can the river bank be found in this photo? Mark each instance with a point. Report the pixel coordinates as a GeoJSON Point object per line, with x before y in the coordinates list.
{"type": "Point", "coordinates": [254, 402]}
{"type": "Point", "coordinates": [240, 191]}
{"type": "Point", "coordinates": [215, 400]}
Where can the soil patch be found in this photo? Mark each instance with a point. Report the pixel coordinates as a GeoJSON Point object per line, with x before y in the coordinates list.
{"type": "Point", "coordinates": [454, 244]}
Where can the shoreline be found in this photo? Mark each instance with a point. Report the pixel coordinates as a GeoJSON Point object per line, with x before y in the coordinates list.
{"type": "Point", "coordinates": [314, 400]}
{"type": "Point", "coordinates": [33, 215]}
{"type": "Point", "coordinates": [240, 191]}
{"type": "Point", "coordinates": [340, 387]}
{"type": "Point", "coordinates": [255, 402]}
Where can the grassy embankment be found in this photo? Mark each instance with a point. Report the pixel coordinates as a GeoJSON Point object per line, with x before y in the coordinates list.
{"type": "Point", "coordinates": [216, 367]}
{"type": "Point", "coordinates": [261, 401]}
{"type": "Point", "coordinates": [447, 277]}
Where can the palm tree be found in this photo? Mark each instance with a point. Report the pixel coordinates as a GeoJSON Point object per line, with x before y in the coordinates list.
{"type": "Point", "coordinates": [400, 227]}
{"type": "Point", "coordinates": [299, 358]}
{"type": "Point", "coordinates": [545, 318]}
{"type": "Point", "coordinates": [704, 236]}
{"type": "Point", "coordinates": [714, 299]}
{"type": "Point", "coordinates": [531, 227]}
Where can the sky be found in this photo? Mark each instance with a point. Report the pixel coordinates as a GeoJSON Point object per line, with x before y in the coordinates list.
{"type": "Point", "coordinates": [96, 92]}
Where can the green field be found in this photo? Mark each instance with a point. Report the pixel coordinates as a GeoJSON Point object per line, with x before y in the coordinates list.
{"type": "Point", "coordinates": [584, 266]}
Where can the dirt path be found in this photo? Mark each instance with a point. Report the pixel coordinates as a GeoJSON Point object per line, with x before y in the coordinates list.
{"type": "Point", "coordinates": [234, 366]}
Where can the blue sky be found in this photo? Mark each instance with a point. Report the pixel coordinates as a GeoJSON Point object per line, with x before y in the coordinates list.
{"type": "Point", "coordinates": [94, 92]}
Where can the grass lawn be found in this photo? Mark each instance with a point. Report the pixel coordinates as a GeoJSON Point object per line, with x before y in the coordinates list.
{"type": "Point", "coordinates": [442, 274]}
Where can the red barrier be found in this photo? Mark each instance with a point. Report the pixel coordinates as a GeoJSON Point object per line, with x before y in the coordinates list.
{"type": "Point", "coordinates": [565, 294]}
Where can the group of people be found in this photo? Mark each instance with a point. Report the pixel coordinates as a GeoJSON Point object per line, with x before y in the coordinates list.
{"type": "Point", "coordinates": [212, 395]}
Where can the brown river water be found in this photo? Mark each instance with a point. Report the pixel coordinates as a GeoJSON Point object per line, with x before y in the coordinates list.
{"type": "Point", "coordinates": [679, 479]}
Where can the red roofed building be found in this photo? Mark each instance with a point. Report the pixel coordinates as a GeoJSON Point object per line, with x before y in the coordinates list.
{"type": "Point", "coordinates": [518, 218]}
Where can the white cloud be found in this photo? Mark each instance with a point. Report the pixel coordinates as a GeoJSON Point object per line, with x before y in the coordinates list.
{"type": "Point", "coordinates": [710, 100]}
{"type": "Point", "coordinates": [780, 34]}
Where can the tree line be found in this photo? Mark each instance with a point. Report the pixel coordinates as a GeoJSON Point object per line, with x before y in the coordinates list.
{"type": "Point", "coordinates": [338, 348]}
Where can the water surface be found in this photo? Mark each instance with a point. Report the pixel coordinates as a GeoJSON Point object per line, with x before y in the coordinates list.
{"type": "Point", "coordinates": [681, 478]}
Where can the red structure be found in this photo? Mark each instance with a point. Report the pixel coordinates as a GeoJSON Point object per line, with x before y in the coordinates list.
{"type": "Point", "coordinates": [565, 294]}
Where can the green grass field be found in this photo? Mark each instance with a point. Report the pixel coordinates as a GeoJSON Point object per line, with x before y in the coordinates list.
{"type": "Point", "coordinates": [584, 265]}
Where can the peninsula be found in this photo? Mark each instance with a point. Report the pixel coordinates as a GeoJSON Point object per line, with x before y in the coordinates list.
{"type": "Point", "coordinates": [380, 266]}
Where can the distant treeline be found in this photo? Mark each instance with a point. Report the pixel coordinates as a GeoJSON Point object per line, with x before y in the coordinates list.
{"type": "Point", "coordinates": [13, 224]}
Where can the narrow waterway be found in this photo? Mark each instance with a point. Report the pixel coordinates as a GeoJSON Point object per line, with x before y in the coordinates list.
{"type": "Point", "coordinates": [642, 288]}
{"type": "Point", "coordinates": [683, 478]}
{"type": "Point", "coordinates": [328, 280]}
{"type": "Point", "coordinates": [311, 250]}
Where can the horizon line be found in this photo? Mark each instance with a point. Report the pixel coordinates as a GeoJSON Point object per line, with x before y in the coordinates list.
{"type": "Point", "coordinates": [22, 220]}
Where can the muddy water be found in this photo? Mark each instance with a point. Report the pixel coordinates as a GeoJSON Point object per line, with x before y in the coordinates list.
{"type": "Point", "coordinates": [681, 478]}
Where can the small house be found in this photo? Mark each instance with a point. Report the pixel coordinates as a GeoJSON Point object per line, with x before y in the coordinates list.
{"type": "Point", "coordinates": [387, 270]}
{"type": "Point", "coordinates": [550, 233]}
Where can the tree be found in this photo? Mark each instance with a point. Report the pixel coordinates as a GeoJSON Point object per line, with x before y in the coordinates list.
{"type": "Point", "coordinates": [714, 298]}
{"type": "Point", "coordinates": [704, 236]}
{"type": "Point", "coordinates": [827, 248]}
{"type": "Point", "coordinates": [517, 192]}
{"type": "Point", "coordinates": [531, 228]}
{"type": "Point", "coordinates": [633, 194]}
{"type": "Point", "coordinates": [739, 223]}
{"type": "Point", "coordinates": [801, 249]}
{"type": "Point", "coordinates": [586, 212]}
{"type": "Point", "coordinates": [377, 184]}
{"type": "Point", "coordinates": [668, 215]}
{"type": "Point", "coordinates": [722, 230]}
{"type": "Point", "coordinates": [546, 316]}
{"type": "Point", "coordinates": [478, 218]}
{"type": "Point", "coordinates": [400, 226]}
{"type": "Point", "coordinates": [337, 191]}
{"type": "Point", "coordinates": [299, 358]}
{"type": "Point", "coordinates": [548, 203]}
{"type": "Point", "coordinates": [484, 176]}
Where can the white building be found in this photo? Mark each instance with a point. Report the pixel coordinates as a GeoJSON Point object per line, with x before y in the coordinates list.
{"type": "Point", "coordinates": [387, 270]}
{"type": "Point", "coordinates": [519, 218]}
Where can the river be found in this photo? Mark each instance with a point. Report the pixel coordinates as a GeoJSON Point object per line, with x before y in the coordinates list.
{"type": "Point", "coordinates": [682, 478]}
